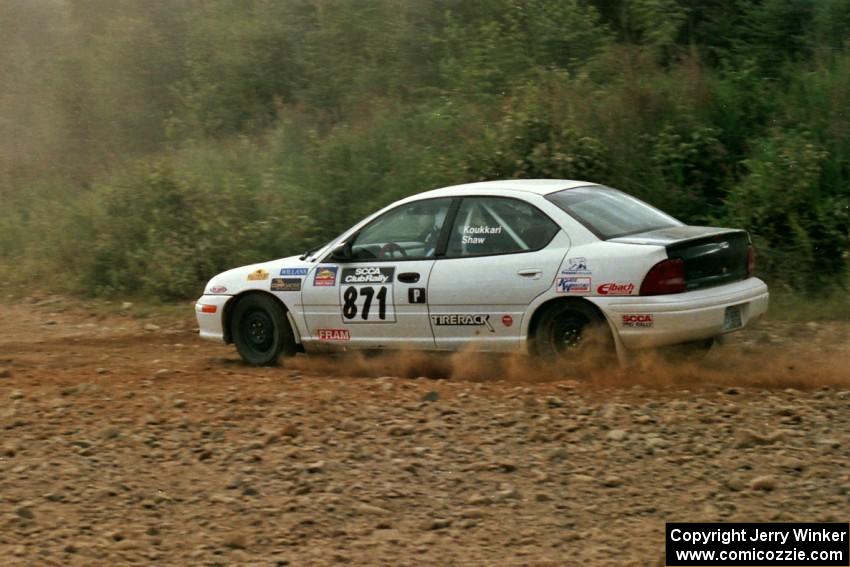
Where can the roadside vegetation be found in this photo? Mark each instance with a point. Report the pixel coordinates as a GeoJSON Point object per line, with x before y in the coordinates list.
{"type": "Point", "coordinates": [146, 145]}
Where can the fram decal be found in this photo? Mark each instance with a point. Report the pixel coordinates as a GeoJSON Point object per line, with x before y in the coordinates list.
{"type": "Point", "coordinates": [257, 275]}
{"type": "Point", "coordinates": [367, 275]}
{"type": "Point", "coordinates": [293, 271]}
{"type": "Point", "coordinates": [638, 320]}
{"type": "Point", "coordinates": [507, 320]}
{"type": "Point", "coordinates": [286, 284]}
{"type": "Point", "coordinates": [218, 289]}
{"type": "Point", "coordinates": [333, 334]}
{"type": "Point", "coordinates": [615, 289]}
{"type": "Point", "coordinates": [325, 276]}
{"type": "Point", "coordinates": [463, 320]}
{"type": "Point", "coordinates": [573, 284]}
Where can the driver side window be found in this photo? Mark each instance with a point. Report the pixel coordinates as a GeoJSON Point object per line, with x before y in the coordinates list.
{"type": "Point", "coordinates": [408, 232]}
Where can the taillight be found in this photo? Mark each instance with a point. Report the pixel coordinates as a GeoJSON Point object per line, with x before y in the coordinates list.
{"type": "Point", "coordinates": [667, 276]}
{"type": "Point", "coordinates": [751, 261]}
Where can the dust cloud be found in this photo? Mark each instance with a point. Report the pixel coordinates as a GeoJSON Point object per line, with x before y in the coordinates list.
{"type": "Point", "coordinates": [799, 366]}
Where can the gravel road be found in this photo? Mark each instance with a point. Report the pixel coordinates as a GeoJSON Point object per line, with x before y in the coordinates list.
{"type": "Point", "coordinates": [129, 441]}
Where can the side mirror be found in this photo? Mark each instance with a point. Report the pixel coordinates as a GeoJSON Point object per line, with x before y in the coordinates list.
{"type": "Point", "coordinates": [341, 253]}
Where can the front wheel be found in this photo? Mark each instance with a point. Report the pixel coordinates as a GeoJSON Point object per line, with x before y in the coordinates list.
{"type": "Point", "coordinates": [260, 330]}
{"type": "Point", "coordinates": [573, 333]}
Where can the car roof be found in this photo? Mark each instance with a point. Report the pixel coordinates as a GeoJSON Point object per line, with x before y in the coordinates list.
{"type": "Point", "coordinates": [536, 186]}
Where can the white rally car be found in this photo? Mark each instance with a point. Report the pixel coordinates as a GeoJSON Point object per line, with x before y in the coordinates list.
{"type": "Point", "coordinates": [523, 265]}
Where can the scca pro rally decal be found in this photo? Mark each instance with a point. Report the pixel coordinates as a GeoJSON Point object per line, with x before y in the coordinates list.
{"type": "Point", "coordinates": [637, 320]}
{"type": "Point", "coordinates": [472, 320]}
{"type": "Point", "coordinates": [573, 284]}
{"type": "Point", "coordinates": [325, 276]}
{"type": "Point", "coordinates": [286, 284]}
{"type": "Point", "coordinates": [366, 295]}
{"type": "Point", "coordinates": [333, 334]}
{"type": "Point", "coordinates": [615, 289]}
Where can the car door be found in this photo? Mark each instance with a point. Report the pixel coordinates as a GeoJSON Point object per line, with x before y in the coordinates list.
{"type": "Point", "coordinates": [502, 253]}
{"type": "Point", "coordinates": [377, 298]}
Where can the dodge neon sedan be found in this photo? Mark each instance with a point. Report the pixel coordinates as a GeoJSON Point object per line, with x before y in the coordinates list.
{"type": "Point", "coordinates": [538, 266]}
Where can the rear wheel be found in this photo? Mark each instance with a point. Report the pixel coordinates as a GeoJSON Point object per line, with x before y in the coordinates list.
{"type": "Point", "coordinates": [260, 330]}
{"type": "Point", "coordinates": [574, 333]}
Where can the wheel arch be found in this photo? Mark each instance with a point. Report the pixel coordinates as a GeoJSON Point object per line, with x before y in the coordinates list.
{"type": "Point", "coordinates": [231, 304]}
{"type": "Point", "coordinates": [538, 312]}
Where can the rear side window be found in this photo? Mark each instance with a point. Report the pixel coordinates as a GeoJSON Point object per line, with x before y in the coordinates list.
{"type": "Point", "coordinates": [497, 225]}
{"type": "Point", "coordinates": [609, 213]}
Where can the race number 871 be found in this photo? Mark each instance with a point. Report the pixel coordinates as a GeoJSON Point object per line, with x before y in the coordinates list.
{"type": "Point", "coordinates": [361, 304]}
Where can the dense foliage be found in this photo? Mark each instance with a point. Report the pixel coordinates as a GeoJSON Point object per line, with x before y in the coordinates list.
{"type": "Point", "coordinates": [147, 144]}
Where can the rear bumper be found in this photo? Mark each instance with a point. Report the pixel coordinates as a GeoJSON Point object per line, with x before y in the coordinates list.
{"type": "Point", "coordinates": [683, 317]}
{"type": "Point", "coordinates": [211, 324]}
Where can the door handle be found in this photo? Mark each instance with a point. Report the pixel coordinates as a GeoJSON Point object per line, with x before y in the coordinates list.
{"type": "Point", "coordinates": [532, 273]}
{"type": "Point", "coordinates": [408, 277]}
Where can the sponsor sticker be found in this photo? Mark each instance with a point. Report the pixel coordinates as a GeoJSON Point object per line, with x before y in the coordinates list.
{"type": "Point", "coordinates": [637, 320]}
{"type": "Point", "coordinates": [576, 266]}
{"type": "Point", "coordinates": [293, 271]}
{"type": "Point", "coordinates": [615, 289]}
{"type": "Point", "coordinates": [367, 275]}
{"type": "Point", "coordinates": [573, 284]}
{"type": "Point", "coordinates": [286, 284]}
{"type": "Point", "coordinates": [462, 320]}
{"type": "Point", "coordinates": [218, 289]}
{"type": "Point", "coordinates": [333, 334]}
{"type": "Point", "coordinates": [258, 275]}
{"type": "Point", "coordinates": [507, 320]}
{"type": "Point", "coordinates": [325, 276]}
{"type": "Point", "coordinates": [416, 295]}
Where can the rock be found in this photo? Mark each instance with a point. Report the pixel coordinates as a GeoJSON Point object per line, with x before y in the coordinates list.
{"type": "Point", "coordinates": [431, 396]}
{"type": "Point", "coordinates": [24, 512]}
{"type": "Point", "coordinates": [554, 402]}
{"type": "Point", "coordinates": [317, 467]}
{"type": "Point", "coordinates": [126, 305]}
{"type": "Point", "coordinates": [744, 438]}
{"type": "Point", "coordinates": [235, 541]}
{"type": "Point", "coordinates": [16, 395]}
{"type": "Point", "coordinates": [179, 403]}
{"type": "Point", "coordinates": [162, 373]}
{"type": "Point", "coordinates": [612, 481]}
{"type": "Point", "coordinates": [582, 478]}
{"type": "Point", "coordinates": [616, 435]}
{"type": "Point", "coordinates": [437, 524]}
{"type": "Point", "coordinates": [101, 371]}
{"type": "Point", "coordinates": [478, 499]}
{"type": "Point", "coordinates": [151, 327]}
{"type": "Point", "coordinates": [370, 510]}
{"type": "Point", "coordinates": [765, 482]}
{"type": "Point", "coordinates": [5, 373]}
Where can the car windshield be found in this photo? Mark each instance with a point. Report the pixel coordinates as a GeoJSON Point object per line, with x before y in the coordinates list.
{"type": "Point", "coordinates": [609, 213]}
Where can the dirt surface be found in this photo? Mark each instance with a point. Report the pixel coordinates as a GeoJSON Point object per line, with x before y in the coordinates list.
{"type": "Point", "coordinates": [129, 441]}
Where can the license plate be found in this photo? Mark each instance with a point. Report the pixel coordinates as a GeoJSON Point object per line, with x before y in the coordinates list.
{"type": "Point", "coordinates": [732, 319]}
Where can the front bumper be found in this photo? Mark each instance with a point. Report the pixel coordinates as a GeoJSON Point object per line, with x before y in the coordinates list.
{"type": "Point", "coordinates": [683, 317]}
{"type": "Point", "coordinates": [211, 324]}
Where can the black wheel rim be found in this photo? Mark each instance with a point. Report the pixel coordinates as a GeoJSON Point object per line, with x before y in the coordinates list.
{"type": "Point", "coordinates": [568, 334]}
{"type": "Point", "coordinates": [258, 328]}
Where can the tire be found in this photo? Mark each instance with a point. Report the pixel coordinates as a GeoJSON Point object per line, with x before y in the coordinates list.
{"type": "Point", "coordinates": [260, 330]}
{"type": "Point", "coordinates": [573, 332]}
